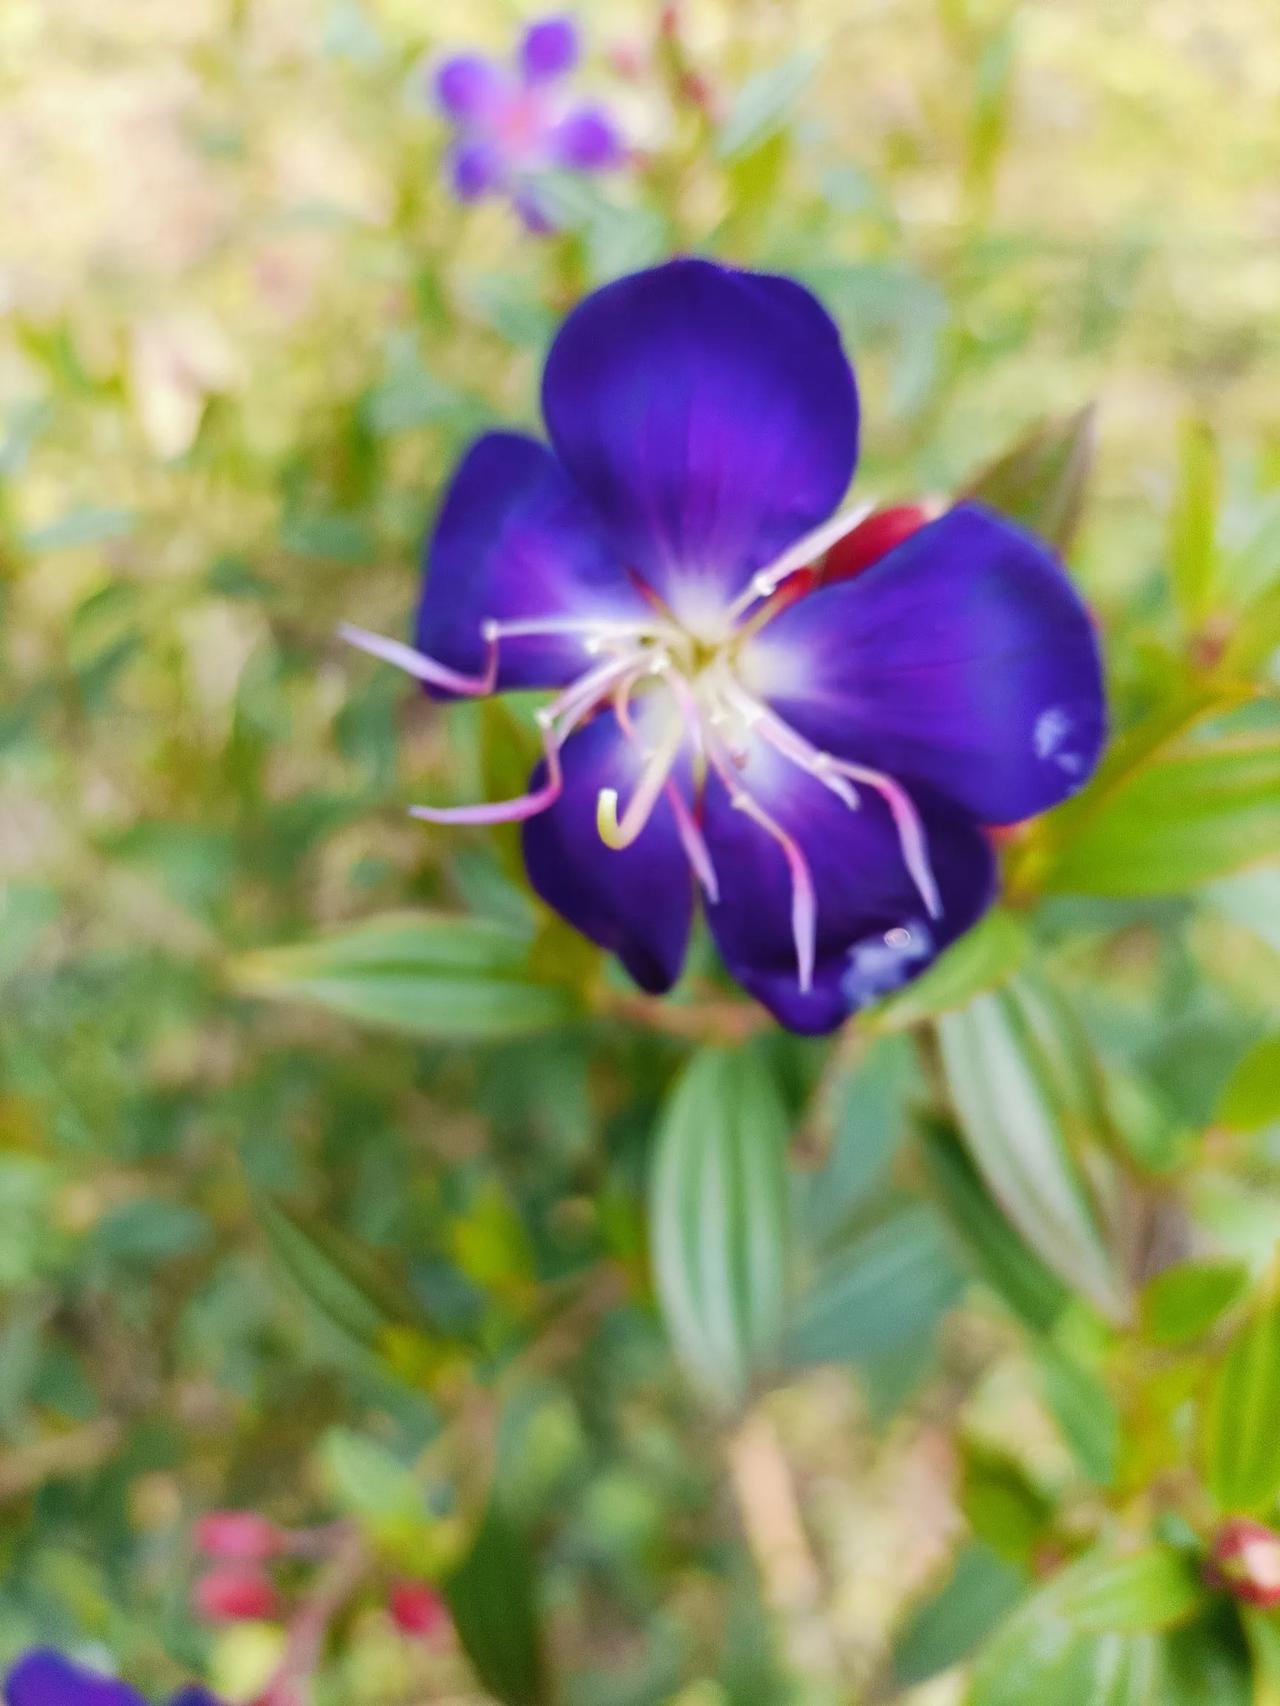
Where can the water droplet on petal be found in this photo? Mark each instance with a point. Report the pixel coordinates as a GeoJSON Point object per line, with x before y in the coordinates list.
{"type": "Point", "coordinates": [1053, 729]}
{"type": "Point", "coordinates": [880, 964]}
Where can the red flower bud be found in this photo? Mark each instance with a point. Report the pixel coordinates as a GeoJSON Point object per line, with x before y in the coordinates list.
{"type": "Point", "coordinates": [417, 1609]}
{"type": "Point", "coordinates": [241, 1537]}
{"type": "Point", "coordinates": [1246, 1562]}
{"type": "Point", "coordinates": [235, 1596]}
{"type": "Point", "coordinates": [870, 540]}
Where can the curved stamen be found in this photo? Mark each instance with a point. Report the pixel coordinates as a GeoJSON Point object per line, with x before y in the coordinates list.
{"type": "Point", "coordinates": [828, 769]}
{"type": "Point", "coordinates": [765, 582]}
{"type": "Point", "coordinates": [598, 629]}
{"type": "Point", "coordinates": [505, 811]}
{"type": "Point", "coordinates": [692, 839]}
{"type": "Point", "coordinates": [804, 902]}
{"type": "Point", "coordinates": [621, 832]}
{"type": "Point", "coordinates": [420, 666]}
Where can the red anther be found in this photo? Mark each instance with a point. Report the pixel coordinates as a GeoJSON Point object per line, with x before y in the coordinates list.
{"type": "Point", "coordinates": [417, 1609]}
{"type": "Point", "coordinates": [870, 540]}
{"type": "Point", "coordinates": [235, 1596]}
{"type": "Point", "coordinates": [240, 1537]}
{"type": "Point", "coordinates": [1246, 1562]}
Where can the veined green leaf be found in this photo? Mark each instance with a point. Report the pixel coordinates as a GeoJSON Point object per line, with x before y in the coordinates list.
{"type": "Point", "coordinates": [1150, 1589]}
{"type": "Point", "coordinates": [764, 103]}
{"type": "Point", "coordinates": [1193, 523]}
{"type": "Point", "coordinates": [719, 1218]}
{"type": "Point", "coordinates": [1001, 1257]}
{"type": "Point", "coordinates": [1181, 820]}
{"type": "Point", "coordinates": [425, 976]}
{"type": "Point", "coordinates": [1238, 1432]}
{"type": "Point", "coordinates": [1001, 1087]}
{"type": "Point", "coordinates": [887, 1285]}
{"type": "Point", "coordinates": [1041, 482]}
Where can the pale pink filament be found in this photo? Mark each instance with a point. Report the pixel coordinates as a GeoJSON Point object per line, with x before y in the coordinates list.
{"type": "Point", "coordinates": [421, 667]}
{"type": "Point", "coordinates": [804, 903]}
{"type": "Point", "coordinates": [814, 545]}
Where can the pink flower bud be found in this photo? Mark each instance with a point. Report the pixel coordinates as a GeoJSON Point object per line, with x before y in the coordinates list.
{"type": "Point", "coordinates": [235, 1595]}
{"type": "Point", "coordinates": [1246, 1562]}
{"type": "Point", "coordinates": [417, 1609]}
{"type": "Point", "coordinates": [240, 1537]}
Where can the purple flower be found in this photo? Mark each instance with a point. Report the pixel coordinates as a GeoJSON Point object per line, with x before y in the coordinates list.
{"type": "Point", "coordinates": [742, 702]}
{"type": "Point", "coordinates": [45, 1678]}
{"type": "Point", "coordinates": [512, 123]}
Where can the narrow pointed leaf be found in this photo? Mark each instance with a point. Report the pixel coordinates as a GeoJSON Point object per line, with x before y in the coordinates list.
{"type": "Point", "coordinates": [946, 1627]}
{"type": "Point", "coordinates": [493, 1601]}
{"type": "Point", "coordinates": [1239, 1451]}
{"type": "Point", "coordinates": [1193, 523]}
{"type": "Point", "coordinates": [719, 1218]}
{"type": "Point", "coordinates": [1042, 481]}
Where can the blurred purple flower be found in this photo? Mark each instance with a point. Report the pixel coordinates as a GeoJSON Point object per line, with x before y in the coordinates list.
{"type": "Point", "coordinates": [45, 1678]}
{"type": "Point", "coordinates": [514, 122]}
{"type": "Point", "coordinates": [811, 716]}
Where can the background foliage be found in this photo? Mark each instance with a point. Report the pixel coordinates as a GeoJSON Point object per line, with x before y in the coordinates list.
{"type": "Point", "coordinates": [982, 1346]}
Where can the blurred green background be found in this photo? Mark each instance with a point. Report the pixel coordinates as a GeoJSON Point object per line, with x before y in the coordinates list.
{"type": "Point", "coordinates": [260, 1254]}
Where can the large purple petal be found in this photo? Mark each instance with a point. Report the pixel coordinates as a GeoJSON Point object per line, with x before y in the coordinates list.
{"type": "Point", "coordinates": [548, 49]}
{"type": "Point", "coordinates": [636, 902]}
{"type": "Point", "coordinates": [712, 417]}
{"type": "Point", "coordinates": [874, 932]}
{"type": "Point", "coordinates": [469, 86]}
{"type": "Point", "coordinates": [963, 659]}
{"type": "Point", "coordinates": [586, 141]}
{"type": "Point", "coordinates": [194, 1697]}
{"type": "Point", "coordinates": [515, 540]}
{"type": "Point", "coordinates": [45, 1678]}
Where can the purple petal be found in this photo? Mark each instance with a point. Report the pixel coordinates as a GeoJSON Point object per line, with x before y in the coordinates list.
{"type": "Point", "coordinates": [194, 1697]}
{"type": "Point", "coordinates": [531, 212]}
{"type": "Point", "coordinates": [637, 902]}
{"type": "Point", "coordinates": [712, 417]}
{"type": "Point", "coordinates": [874, 933]}
{"type": "Point", "coordinates": [548, 49]}
{"type": "Point", "coordinates": [964, 659]}
{"type": "Point", "coordinates": [586, 141]}
{"type": "Point", "coordinates": [44, 1678]}
{"type": "Point", "coordinates": [470, 86]}
{"type": "Point", "coordinates": [477, 167]}
{"type": "Point", "coordinates": [514, 541]}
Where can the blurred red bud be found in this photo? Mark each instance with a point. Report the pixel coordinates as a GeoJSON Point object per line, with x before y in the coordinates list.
{"type": "Point", "coordinates": [241, 1537]}
{"type": "Point", "coordinates": [1246, 1562]}
{"type": "Point", "coordinates": [872, 539]}
{"type": "Point", "coordinates": [417, 1609]}
{"type": "Point", "coordinates": [235, 1596]}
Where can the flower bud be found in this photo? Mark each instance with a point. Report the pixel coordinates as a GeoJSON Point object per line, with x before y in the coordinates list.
{"type": "Point", "coordinates": [1246, 1562]}
{"type": "Point", "coordinates": [872, 539]}
{"type": "Point", "coordinates": [240, 1537]}
{"type": "Point", "coordinates": [235, 1595]}
{"type": "Point", "coordinates": [417, 1609]}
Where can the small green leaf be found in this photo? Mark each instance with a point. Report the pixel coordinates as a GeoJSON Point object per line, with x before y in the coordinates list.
{"type": "Point", "coordinates": [1041, 482]}
{"type": "Point", "coordinates": [1004, 1261]}
{"type": "Point", "coordinates": [1001, 1084]}
{"type": "Point", "coordinates": [1238, 1433]}
{"type": "Point", "coordinates": [1251, 1099]}
{"type": "Point", "coordinates": [1176, 822]}
{"type": "Point", "coordinates": [869, 1121]}
{"type": "Point", "coordinates": [946, 1627]}
{"type": "Point", "coordinates": [764, 103]}
{"type": "Point", "coordinates": [982, 959]}
{"type": "Point", "coordinates": [425, 976]}
{"type": "Point", "coordinates": [1182, 1303]}
{"type": "Point", "coordinates": [1004, 1507]}
{"type": "Point", "coordinates": [1147, 1590]}
{"type": "Point", "coordinates": [1084, 1410]}
{"type": "Point", "coordinates": [1193, 523]}
{"type": "Point", "coordinates": [719, 1218]}
{"type": "Point", "coordinates": [493, 1600]}
{"type": "Point", "coordinates": [884, 1287]}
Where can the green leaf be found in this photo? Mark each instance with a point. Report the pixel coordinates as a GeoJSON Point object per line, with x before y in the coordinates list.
{"type": "Point", "coordinates": [492, 1597]}
{"type": "Point", "coordinates": [869, 1123]}
{"type": "Point", "coordinates": [1206, 1662]}
{"type": "Point", "coordinates": [1041, 482]}
{"type": "Point", "coordinates": [1004, 1507]}
{"type": "Point", "coordinates": [1238, 1433]}
{"type": "Point", "coordinates": [1084, 1410]}
{"type": "Point", "coordinates": [1004, 1261]}
{"type": "Point", "coordinates": [1183, 1302]}
{"type": "Point", "coordinates": [1251, 1099]}
{"type": "Point", "coordinates": [1147, 1590]}
{"type": "Point", "coordinates": [719, 1218]}
{"type": "Point", "coordinates": [884, 1287]}
{"type": "Point", "coordinates": [946, 1627]}
{"type": "Point", "coordinates": [764, 103]}
{"type": "Point", "coordinates": [1000, 1082]}
{"type": "Point", "coordinates": [982, 959]}
{"type": "Point", "coordinates": [1181, 820]}
{"type": "Point", "coordinates": [1262, 1630]}
{"type": "Point", "coordinates": [425, 976]}
{"type": "Point", "coordinates": [1193, 523]}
